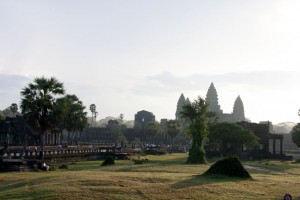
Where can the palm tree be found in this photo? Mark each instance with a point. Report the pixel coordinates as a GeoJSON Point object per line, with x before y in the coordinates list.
{"type": "Point", "coordinates": [153, 129]}
{"type": "Point", "coordinates": [93, 111]}
{"type": "Point", "coordinates": [195, 114]}
{"type": "Point", "coordinates": [173, 129]}
{"type": "Point", "coordinates": [14, 108]}
{"type": "Point", "coordinates": [37, 105]}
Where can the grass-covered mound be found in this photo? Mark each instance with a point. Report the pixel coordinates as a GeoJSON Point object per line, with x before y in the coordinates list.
{"type": "Point", "coordinates": [229, 166]}
{"type": "Point", "coordinates": [108, 161]}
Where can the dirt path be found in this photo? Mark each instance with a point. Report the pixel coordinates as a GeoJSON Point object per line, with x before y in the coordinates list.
{"type": "Point", "coordinates": [263, 169]}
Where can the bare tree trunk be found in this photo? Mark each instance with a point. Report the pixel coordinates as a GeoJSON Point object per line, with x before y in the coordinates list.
{"type": "Point", "coordinates": [92, 120]}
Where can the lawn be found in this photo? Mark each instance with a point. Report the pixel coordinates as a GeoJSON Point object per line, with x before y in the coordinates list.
{"type": "Point", "coordinates": [163, 177]}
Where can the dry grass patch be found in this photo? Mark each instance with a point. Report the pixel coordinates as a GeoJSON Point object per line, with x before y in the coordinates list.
{"type": "Point", "coordinates": [164, 177]}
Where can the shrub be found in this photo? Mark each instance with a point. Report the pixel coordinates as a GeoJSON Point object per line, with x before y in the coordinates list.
{"type": "Point", "coordinates": [63, 166]}
{"type": "Point", "coordinates": [108, 161]}
{"type": "Point", "coordinates": [229, 166]}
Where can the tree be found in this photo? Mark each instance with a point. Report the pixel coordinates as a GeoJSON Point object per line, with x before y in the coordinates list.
{"type": "Point", "coordinates": [136, 142]}
{"type": "Point", "coordinates": [94, 112]}
{"type": "Point", "coordinates": [153, 129]}
{"type": "Point", "coordinates": [296, 134]}
{"type": "Point", "coordinates": [120, 118]}
{"type": "Point", "coordinates": [173, 129]}
{"type": "Point", "coordinates": [222, 134]}
{"type": "Point", "coordinates": [37, 105]}
{"type": "Point", "coordinates": [195, 114]}
{"type": "Point", "coordinates": [71, 115]}
{"type": "Point", "coordinates": [14, 108]}
{"type": "Point", "coordinates": [121, 139]}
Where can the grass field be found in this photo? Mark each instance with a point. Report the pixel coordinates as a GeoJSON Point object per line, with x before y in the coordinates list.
{"type": "Point", "coordinates": [163, 177]}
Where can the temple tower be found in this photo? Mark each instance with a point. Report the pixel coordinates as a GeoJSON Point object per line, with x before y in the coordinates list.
{"type": "Point", "coordinates": [212, 100]}
{"type": "Point", "coordinates": [187, 101]}
{"type": "Point", "coordinates": [238, 110]}
{"type": "Point", "coordinates": [181, 102]}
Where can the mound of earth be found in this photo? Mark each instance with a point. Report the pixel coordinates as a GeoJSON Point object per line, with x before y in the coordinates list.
{"type": "Point", "coordinates": [229, 166]}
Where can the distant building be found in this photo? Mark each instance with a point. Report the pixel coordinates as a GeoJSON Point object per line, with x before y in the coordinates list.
{"type": "Point", "coordinates": [212, 100]}
{"type": "Point", "coordinates": [143, 117]}
{"type": "Point", "coordinates": [15, 131]}
{"type": "Point", "coordinates": [164, 121]}
{"type": "Point", "coordinates": [181, 102]}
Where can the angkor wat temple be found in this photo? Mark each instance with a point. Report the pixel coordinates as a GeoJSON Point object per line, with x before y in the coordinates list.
{"type": "Point", "coordinates": [270, 145]}
{"type": "Point", "coordinates": [14, 131]}
{"type": "Point", "coordinates": [212, 101]}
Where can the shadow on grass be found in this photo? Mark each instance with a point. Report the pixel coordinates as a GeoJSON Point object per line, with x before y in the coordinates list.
{"type": "Point", "coordinates": [204, 179]}
{"type": "Point", "coordinates": [153, 162]}
{"type": "Point", "coordinates": [175, 161]}
{"type": "Point", "coordinates": [19, 189]}
{"type": "Point", "coordinates": [14, 185]}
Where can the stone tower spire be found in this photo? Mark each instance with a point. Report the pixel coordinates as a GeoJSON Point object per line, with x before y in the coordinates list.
{"type": "Point", "coordinates": [187, 101]}
{"type": "Point", "coordinates": [212, 100]}
{"type": "Point", "coordinates": [238, 110]}
{"type": "Point", "coordinates": [180, 104]}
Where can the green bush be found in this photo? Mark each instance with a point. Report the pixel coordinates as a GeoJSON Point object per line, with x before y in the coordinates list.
{"type": "Point", "coordinates": [63, 166]}
{"type": "Point", "coordinates": [108, 161]}
{"type": "Point", "coordinates": [229, 166]}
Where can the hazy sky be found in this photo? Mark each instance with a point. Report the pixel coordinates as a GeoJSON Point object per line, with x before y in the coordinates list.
{"type": "Point", "coordinates": [132, 55]}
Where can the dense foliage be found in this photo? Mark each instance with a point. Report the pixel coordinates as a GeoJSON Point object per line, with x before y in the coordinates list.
{"type": "Point", "coordinates": [70, 114]}
{"type": "Point", "coordinates": [44, 109]}
{"type": "Point", "coordinates": [173, 129]}
{"type": "Point", "coordinates": [222, 134]}
{"type": "Point", "coordinates": [153, 129]}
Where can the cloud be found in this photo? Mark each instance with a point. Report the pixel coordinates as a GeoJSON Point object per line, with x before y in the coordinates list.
{"type": "Point", "coordinates": [166, 82]}
{"type": "Point", "coordinates": [10, 88]}
{"type": "Point", "coordinates": [9, 81]}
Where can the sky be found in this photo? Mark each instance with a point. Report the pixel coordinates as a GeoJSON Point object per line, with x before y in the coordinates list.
{"type": "Point", "coordinates": [125, 56]}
